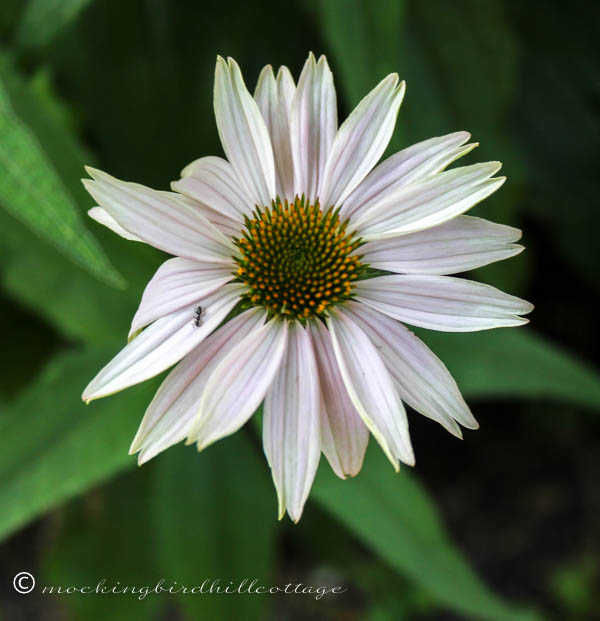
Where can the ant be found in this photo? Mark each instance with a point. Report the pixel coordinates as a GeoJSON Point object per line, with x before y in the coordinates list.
{"type": "Point", "coordinates": [198, 313]}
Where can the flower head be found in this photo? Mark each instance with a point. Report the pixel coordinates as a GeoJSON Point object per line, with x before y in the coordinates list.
{"type": "Point", "coordinates": [319, 253]}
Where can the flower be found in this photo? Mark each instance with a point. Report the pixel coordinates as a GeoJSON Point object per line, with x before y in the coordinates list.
{"type": "Point", "coordinates": [318, 253]}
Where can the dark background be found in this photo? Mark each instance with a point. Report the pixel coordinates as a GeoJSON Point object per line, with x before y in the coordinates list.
{"type": "Point", "coordinates": [128, 86]}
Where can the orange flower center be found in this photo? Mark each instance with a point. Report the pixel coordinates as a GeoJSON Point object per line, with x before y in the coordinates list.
{"type": "Point", "coordinates": [297, 260]}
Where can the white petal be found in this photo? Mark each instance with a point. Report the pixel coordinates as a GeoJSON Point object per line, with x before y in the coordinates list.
{"type": "Point", "coordinates": [442, 302]}
{"type": "Point", "coordinates": [371, 388]}
{"type": "Point", "coordinates": [103, 217]}
{"type": "Point", "coordinates": [344, 436]}
{"type": "Point", "coordinates": [429, 202]}
{"type": "Point", "coordinates": [313, 125]}
{"type": "Point", "coordinates": [178, 283]}
{"type": "Point", "coordinates": [361, 141]}
{"type": "Point", "coordinates": [243, 133]}
{"type": "Point", "coordinates": [176, 404]}
{"type": "Point", "coordinates": [239, 383]}
{"type": "Point", "coordinates": [461, 244]}
{"type": "Point", "coordinates": [228, 226]}
{"type": "Point", "coordinates": [274, 99]}
{"type": "Point", "coordinates": [407, 166]}
{"type": "Point", "coordinates": [291, 424]}
{"type": "Point", "coordinates": [160, 219]}
{"type": "Point", "coordinates": [162, 344]}
{"type": "Point", "coordinates": [421, 377]}
{"type": "Point", "coordinates": [213, 182]}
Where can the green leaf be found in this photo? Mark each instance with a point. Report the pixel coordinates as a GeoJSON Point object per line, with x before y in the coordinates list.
{"type": "Point", "coordinates": [392, 514]}
{"type": "Point", "coordinates": [76, 304]}
{"type": "Point", "coordinates": [444, 87]}
{"type": "Point", "coordinates": [106, 535]}
{"type": "Point", "coordinates": [364, 40]}
{"type": "Point", "coordinates": [32, 192]}
{"type": "Point", "coordinates": [55, 447]}
{"type": "Point", "coordinates": [29, 345]}
{"type": "Point", "coordinates": [69, 297]}
{"type": "Point", "coordinates": [9, 16]}
{"type": "Point", "coordinates": [42, 20]}
{"type": "Point", "coordinates": [515, 363]}
{"type": "Point", "coordinates": [215, 519]}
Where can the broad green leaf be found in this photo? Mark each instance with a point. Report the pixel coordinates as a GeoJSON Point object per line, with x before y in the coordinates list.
{"type": "Point", "coordinates": [418, 41]}
{"type": "Point", "coordinates": [29, 345]}
{"type": "Point", "coordinates": [515, 363]}
{"type": "Point", "coordinates": [54, 446]}
{"type": "Point", "coordinates": [9, 16]}
{"type": "Point", "coordinates": [215, 520]}
{"type": "Point", "coordinates": [106, 535]}
{"type": "Point", "coordinates": [69, 297]}
{"type": "Point", "coordinates": [560, 78]}
{"type": "Point", "coordinates": [43, 19]}
{"type": "Point", "coordinates": [393, 515]}
{"type": "Point", "coordinates": [364, 40]}
{"type": "Point", "coordinates": [387, 595]}
{"type": "Point", "coordinates": [32, 192]}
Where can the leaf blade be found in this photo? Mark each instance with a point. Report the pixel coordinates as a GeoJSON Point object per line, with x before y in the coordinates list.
{"type": "Point", "coordinates": [32, 192]}
{"type": "Point", "coordinates": [392, 514]}
{"type": "Point", "coordinates": [198, 504]}
{"type": "Point", "coordinates": [67, 447]}
{"type": "Point", "coordinates": [516, 363]}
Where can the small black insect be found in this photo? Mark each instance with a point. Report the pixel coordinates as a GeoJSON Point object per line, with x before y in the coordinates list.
{"type": "Point", "coordinates": [198, 313]}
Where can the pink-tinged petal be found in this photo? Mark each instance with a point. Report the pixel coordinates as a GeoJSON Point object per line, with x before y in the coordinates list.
{"type": "Point", "coordinates": [178, 283]}
{"type": "Point", "coordinates": [461, 244]}
{"type": "Point", "coordinates": [361, 141]}
{"type": "Point", "coordinates": [313, 125]}
{"type": "Point", "coordinates": [429, 202]}
{"type": "Point", "coordinates": [407, 166]}
{"type": "Point", "coordinates": [176, 404]}
{"type": "Point", "coordinates": [291, 424]}
{"type": "Point", "coordinates": [160, 219]}
{"type": "Point", "coordinates": [274, 99]}
{"type": "Point", "coordinates": [421, 377]}
{"type": "Point", "coordinates": [213, 182]}
{"type": "Point", "coordinates": [103, 217]}
{"type": "Point", "coordinates": [344, 436]}
{"type": "Point", "coordinates": [162, 344]}
{"type": "Point", "coordinates": [371, 388]}
{"type": "Point", "coordinates": [442, 302]}
{"type": "Point", "coordinates": [228, 226]}
{"type": "Point", "coordinates": [243, 133]}
{"type": "Point", "coordinates": [239, 383]}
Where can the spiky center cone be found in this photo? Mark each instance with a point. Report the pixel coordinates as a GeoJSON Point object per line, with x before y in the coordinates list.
{"type": "Point", "coordinates": [297, 260]}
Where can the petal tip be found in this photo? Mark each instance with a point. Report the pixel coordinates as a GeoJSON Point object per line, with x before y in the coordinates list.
{"type": "Point", "coordinates": [90, 170]}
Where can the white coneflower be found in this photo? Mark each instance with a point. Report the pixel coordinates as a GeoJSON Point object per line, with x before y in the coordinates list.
{"type": "Point", "coordinates": [324, 253]}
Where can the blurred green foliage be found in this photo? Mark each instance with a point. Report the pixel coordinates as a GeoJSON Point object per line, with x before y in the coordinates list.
{"type": "Point", "coordinates": [32, 192]}
{"type": "Point", "coordinates": [128, 87]}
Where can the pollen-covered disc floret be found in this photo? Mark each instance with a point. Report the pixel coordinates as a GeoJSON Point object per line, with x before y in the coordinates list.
{"type": "Point", "coordinates": [297, 260]}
